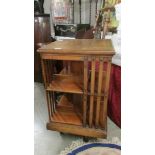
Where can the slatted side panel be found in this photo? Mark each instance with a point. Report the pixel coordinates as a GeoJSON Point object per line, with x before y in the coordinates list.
{"type": "Point", "coordinates": [47, 68]}
{"type": "Point", "coordinates": [98, 95]}
{"type": "Point", "coordinates": [92, 86]}
{"type": "Point", "coordinates": [99, 92]}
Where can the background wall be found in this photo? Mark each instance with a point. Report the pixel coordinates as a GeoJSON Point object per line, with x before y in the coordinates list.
{"type": "Point", "coordinates": [85, 9]}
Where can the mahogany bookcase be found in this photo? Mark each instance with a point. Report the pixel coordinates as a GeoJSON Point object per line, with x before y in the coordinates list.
{"type": "Point", "coordinates": [77, 94]}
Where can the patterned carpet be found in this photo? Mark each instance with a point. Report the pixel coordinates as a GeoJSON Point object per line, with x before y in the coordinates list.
{"type": "Point", "coordinates": [95, 147]}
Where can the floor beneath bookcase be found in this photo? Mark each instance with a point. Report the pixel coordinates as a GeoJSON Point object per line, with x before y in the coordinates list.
{"type": "Point", "coordinates": [51, 142]}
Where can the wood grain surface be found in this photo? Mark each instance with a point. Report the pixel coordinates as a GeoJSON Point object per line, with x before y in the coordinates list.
{"type": "Point", "coordinates": [79, 46]}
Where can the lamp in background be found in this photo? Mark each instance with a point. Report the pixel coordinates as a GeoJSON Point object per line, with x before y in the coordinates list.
{"type": "Point", "coordinates": [106, 19]}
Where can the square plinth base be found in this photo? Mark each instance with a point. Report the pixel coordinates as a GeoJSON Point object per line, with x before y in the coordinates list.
{"type": "Point", "coordinates": [77, 130]}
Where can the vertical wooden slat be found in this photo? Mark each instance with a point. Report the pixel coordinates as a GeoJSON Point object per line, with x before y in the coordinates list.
{"type": "Point", "coordinates": [64, 67]}
{"type": "Point", "coordinates": [106, 92]}
{"type": "Point", "coordinates": [100, 78]}
{"type": "Point", "coordinates": [51, 103]}
{"type": "Point", "coordinates": [54, 69]}
{"type": "Point", "coordinates": [43, 72]}
{"type": "Point", "coordinates": [91, 110]}
{"type": "Point", "coordinates": [48, 105]}
{"type": "Point", "coordinates": [69, 67]}
{"type": "Point", "coordinates": [85, 91]}
{"type": "Point", "coordinates": [48, 70]}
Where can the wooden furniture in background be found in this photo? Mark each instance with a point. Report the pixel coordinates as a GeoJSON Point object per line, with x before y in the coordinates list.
{"type": "Point", "coordinates": [38, 6]}
{"type": "Point", "coordinates": [42, 35]}
{"type": "Point", "coordinates": [77, 95]}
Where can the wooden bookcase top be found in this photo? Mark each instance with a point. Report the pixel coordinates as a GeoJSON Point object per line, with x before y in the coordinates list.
{"type": "Point", "coordinates": [79, 46]}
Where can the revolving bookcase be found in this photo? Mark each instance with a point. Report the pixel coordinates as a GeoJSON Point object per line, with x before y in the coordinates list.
{"type": "Point", "coordinates": [76, 77]}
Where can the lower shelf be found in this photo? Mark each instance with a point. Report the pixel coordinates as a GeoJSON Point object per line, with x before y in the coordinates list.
{"type": "Point", "coordinates": [66, 113]}
{"type": "Point", "coordinates": [77, 130]}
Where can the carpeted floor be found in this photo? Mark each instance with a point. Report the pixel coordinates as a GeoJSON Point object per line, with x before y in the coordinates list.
{"type": "Point", "coordinates": [98, 147]}
{"type": "Point", "coordinates": [51, 142]}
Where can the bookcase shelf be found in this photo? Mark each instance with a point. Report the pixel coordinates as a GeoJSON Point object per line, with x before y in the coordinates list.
{"type": "Point", "coordinates": [66, 113]}
{"type": "Point", "coordinates": [66, 83]}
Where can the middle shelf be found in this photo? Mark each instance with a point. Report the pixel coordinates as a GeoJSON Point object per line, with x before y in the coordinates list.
{"type": "Point", "coordinates": [66, 83]}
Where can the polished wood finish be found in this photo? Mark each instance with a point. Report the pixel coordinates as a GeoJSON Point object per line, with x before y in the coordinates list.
{"type": "Point", "coordinates": [100, 79]}
{"type": "Point", "coordinates": [48, 98]}
{"type": "Point", "coordinates": [68, 84]}
{"type": "Point", "coordinates": [77, 130]}
{"type": "Point", "coordinates": [43, 72]}
{"type": "Point", "coordinates": [65, 113]}
{"type": "Point", "coordinates": [106, 90]}
{"type": "Point", "coordinates": [79, 46]}
{"type": "Point", "coordinates": [77, 95]}
{"type": "Point", "coordinates": [85, 91]}
{"type": "Point", "coordinates": [92, 86]}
